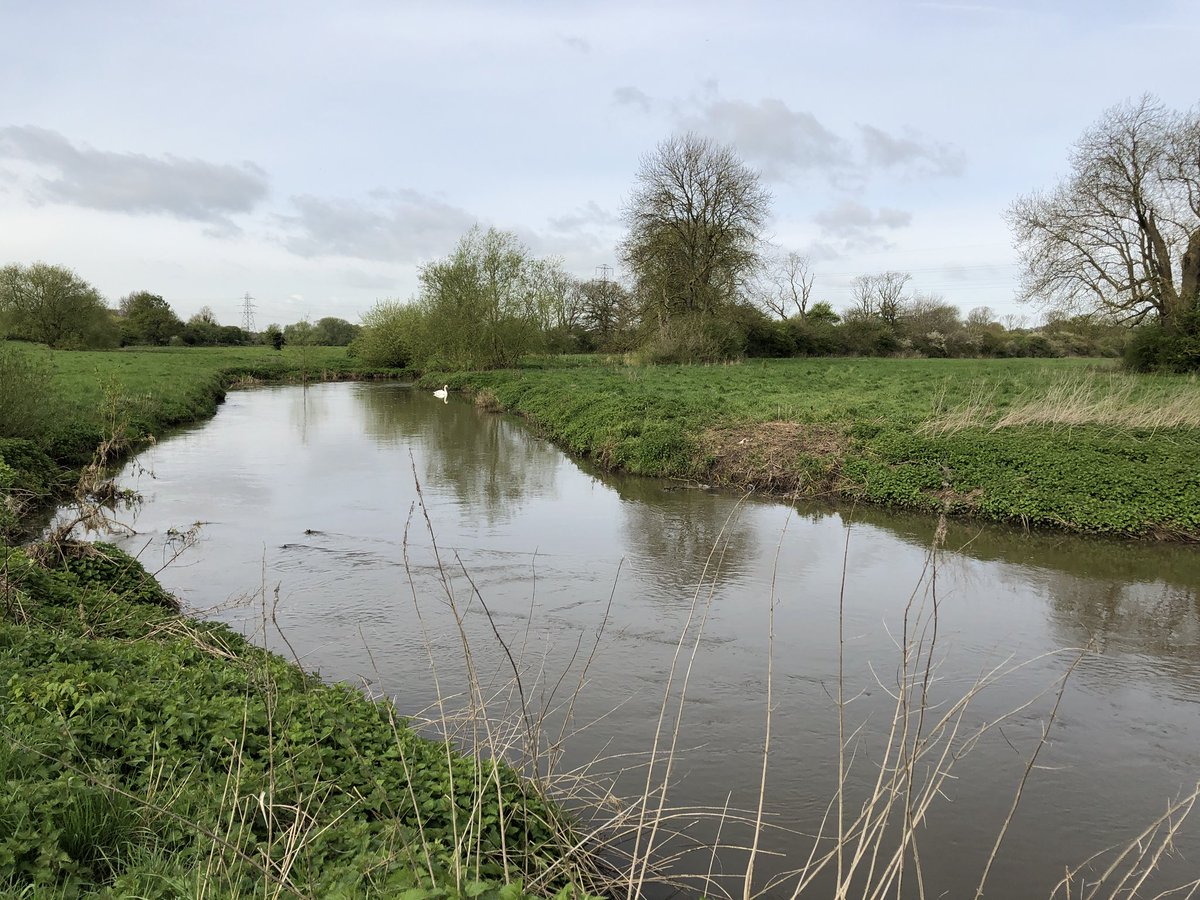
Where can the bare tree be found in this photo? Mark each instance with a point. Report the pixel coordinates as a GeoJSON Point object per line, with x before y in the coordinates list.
{"type": "Point", "coordinates": [1122, 233]}
{"type": "Point", "coordinates": [880, 296]}
{"type": "Point", "coordinates": [554, 294]}
{"type": "Point", "coordinates": [607, 311]}
{"type": "Point", "coordinates": [889, 289]}
{"type": "Point", "coordinates": [928, 312]}
{"type": "Point", "coordinates": [785, 283]}
{"type": "Point", "coordinates": [862, 297]}
{"type": "Point", "coordinates": [980, 319]}
{"type": "Point", "coordinates": [695, 223]}
{"type": "Point", "coordinates": [1014, 322]}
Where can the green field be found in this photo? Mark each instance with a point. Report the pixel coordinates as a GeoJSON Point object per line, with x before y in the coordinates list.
{"type": "Point", "coordinates": [152, 389]}
{"type": "Point", "coordinates": [1061, 443]}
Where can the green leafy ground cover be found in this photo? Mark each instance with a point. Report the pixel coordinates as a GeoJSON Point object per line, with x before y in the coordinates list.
{"type": "Point", "coordinates": [875, 430]}
{"type": "Point", "coordinates": [149, 755]}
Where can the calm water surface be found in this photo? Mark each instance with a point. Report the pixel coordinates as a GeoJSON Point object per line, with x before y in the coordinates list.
{"type": "Point", "coordinates": [311, 493]}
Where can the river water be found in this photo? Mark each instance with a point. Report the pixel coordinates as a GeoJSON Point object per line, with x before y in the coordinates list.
{"type": "Point", "coordinates": [308, 504]}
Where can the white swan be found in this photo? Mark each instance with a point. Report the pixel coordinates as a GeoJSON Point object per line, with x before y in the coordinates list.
{"type": "Point", "coordinates": [441, 395]}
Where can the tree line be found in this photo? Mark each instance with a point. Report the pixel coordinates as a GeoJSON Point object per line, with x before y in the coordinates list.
{"type": "Point", "coordinates": [51, 305]}
{"type": "Point", "coordinates": [1116, 244]}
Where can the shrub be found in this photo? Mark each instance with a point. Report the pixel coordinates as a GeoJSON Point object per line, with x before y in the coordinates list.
{"type": "Point", "coordinates": [24, 398]}
{"type": "Point", "coordinates": [1156, 348]}
{"type": "Point", "coordinates": [479, 305]}
{"type": "Point", "coordinates": [815, 336]}
{"type": "Point", "coordinates": [868, 337]}
{"type": "Point", "coordinates": [692, 339]}
{"type": "Point", "coordinates": [764, 337]}
{"type": "Point", "coordinates": [110, 569]}
{"type": "Point", "coordinates": [390, 331]}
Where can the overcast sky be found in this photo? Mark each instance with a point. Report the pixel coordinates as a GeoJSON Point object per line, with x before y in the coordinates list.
{"type": "Point", "coordinates": [314, 154]}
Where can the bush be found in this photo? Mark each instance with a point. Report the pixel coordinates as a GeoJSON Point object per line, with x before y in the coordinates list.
{"type": "Point", "coordinates": [24, 398]}
{"type": "Point", "coordinates": [1155, 348]}
{"type": "Point", "coordinates": [868, 337]}
{"type": "Point", "coordinates": [110, 569]}
{"type": "Point", "coordinates": [478, 305]}
{"type": "Point", "coordinates": [815, 336]}
{"type": "Point", "coordinates": [764, 337]}
{"type": "Point", "coordinates": [390, 331]}
{"type": "Point", "coordinates": [692, 339]}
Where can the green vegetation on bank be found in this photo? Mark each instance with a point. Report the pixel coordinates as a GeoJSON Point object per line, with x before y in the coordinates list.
{"type": "Point", "coordinates": [146, 754]}
{"type": "Point", "coordinates": [152, 389]}
{"type": "Point", "coordinates": [1069, 444]}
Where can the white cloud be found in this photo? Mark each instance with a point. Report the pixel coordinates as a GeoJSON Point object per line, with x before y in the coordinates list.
{"type": "Point", "coordinates": [768, 133]}
{"type": "Point", "coordinates": [631, 96]}
{"type": "Point", "coordinates": [786, 143]}
{"type": "Point", "coordinates": [589, 216]}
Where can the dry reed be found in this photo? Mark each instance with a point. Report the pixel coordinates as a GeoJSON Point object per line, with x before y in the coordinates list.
{"type": "Point", "coordinates": [1114, 401]}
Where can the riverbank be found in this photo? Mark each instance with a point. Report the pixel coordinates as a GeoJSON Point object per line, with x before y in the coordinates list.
{"type": "Point", "coordinates": [1074, 445]}
{"type": "Point", "coordinates": [149, 754]}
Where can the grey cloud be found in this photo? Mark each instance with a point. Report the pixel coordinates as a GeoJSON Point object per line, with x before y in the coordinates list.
{"type": "Point", "coordinates": [190, 189]}
{"type": "Point", "coordinates": [371, 281]}
{"type": "Point", "coordinates": [591, 215]}
{"type": "Point", "coordinates": [769, 133]}
{"type": "Point", "coordinates": [784, 142]}
{"type": "Point", "coordinates": [859, 227]}
{"type": "Point", "coordinates": [631, 96]}
{"type": "Point", "coordinates": [911, 152]}
{"type": "Point", "coordinates": [577, 43]}
{"type": "Point", "coordinates": [396, 226]}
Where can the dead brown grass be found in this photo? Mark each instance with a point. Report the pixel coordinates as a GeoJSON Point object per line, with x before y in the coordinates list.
{"type": "Point", "coordinates": [1117, 401]}
{"type": "Point", "coordinates": [788, 458]}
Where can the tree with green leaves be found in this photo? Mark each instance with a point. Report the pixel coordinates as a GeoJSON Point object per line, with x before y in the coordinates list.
{"type": "Point", "coordinates": [390, 333]}
{"type": "Point", "coordinates": [480, 304]}
{"type": "Point", "coordinates": [147, 319]}
{"type": "Point", "coordinates": [272, 336]}
{"type": "Point", "coordinates": [52, 305]}
{"type": "Point", "coordinates": [334, 332]}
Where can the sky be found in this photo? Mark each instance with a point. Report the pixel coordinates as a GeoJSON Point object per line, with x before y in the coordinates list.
{"type": "Point", "coordinates": [314, 155]}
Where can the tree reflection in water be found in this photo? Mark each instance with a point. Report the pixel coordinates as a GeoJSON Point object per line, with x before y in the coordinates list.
{"type": "Point", "coordinates": [490, 465]}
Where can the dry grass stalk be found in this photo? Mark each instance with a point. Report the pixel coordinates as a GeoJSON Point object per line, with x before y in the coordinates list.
{"type": "Point", "coordinates": [868, 845]}
{"type": "Point", "coordinates": [1114, 401]}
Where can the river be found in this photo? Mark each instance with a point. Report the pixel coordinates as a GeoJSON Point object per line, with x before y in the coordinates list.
{"type": "Point", "coordinates": [307, 500]}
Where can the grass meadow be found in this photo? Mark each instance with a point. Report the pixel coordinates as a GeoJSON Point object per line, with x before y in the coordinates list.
{"type": "Point", "coordinates": [82, 393]}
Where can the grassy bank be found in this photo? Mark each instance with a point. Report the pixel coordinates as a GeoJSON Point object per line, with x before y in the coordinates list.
{"type": "Point", "coordinates": [59, 407]}
{"type": "Point", "coordinates": [147, 754]}
{"type": "Point", "coordinates": [149, 390]}
{"type": "Point", "coordinates": [1070, 444]}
